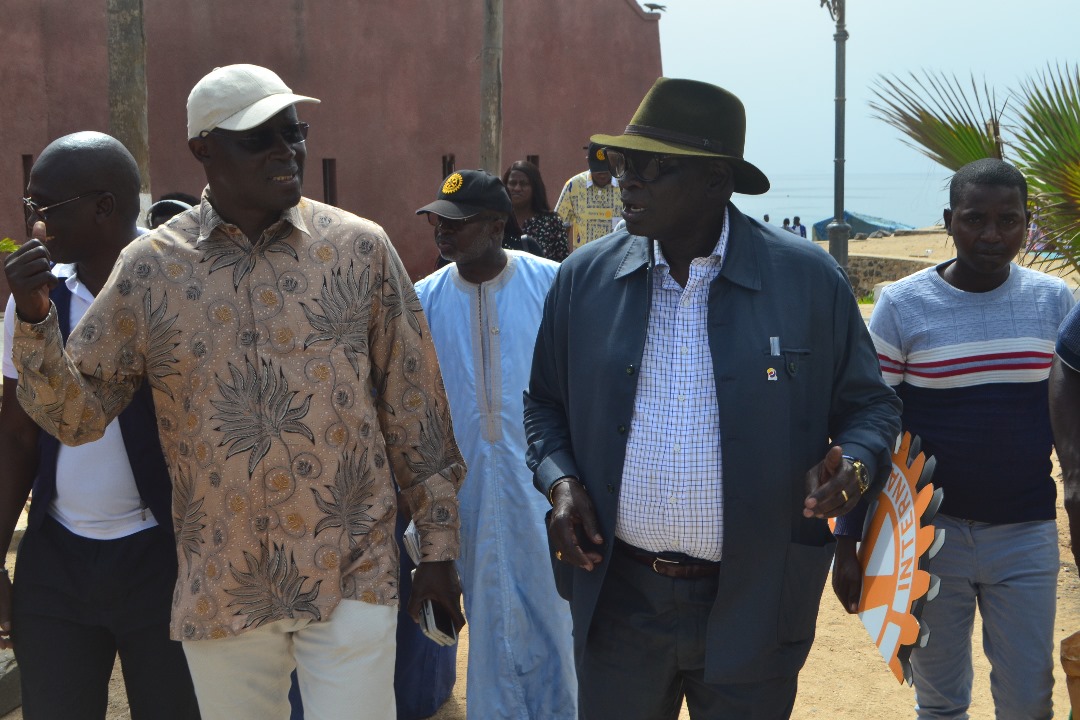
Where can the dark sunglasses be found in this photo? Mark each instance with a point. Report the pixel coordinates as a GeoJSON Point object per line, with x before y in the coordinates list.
{"type": "Point", "coordinates": [263, 138]}
{"type": "Point", "coordinates": [645, 166]}
{"type": "Point", "coordinates": [454, 224]}
{"type": "Point", "coordinates": [32, 210]}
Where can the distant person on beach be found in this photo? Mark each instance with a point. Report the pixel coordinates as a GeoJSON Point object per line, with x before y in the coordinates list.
{"type": "Point", "coordinates": [968, 346]}
{"type": "Point", "coordinates": [97, 564]}
{"type": "Point", "coordinates": [798, 228]}
{"type": "Point", "coordinates": [297, 392]}
{"type": "Point", "coordinates": [742, 406]}
{"type": "Point", "coordinates": [787, 224]}
{"type": "Point", "coordinates": [483, 311]}
{"type": "Point", "coordinates": [590, 203]}
{"type": "Point", "coordinates": [766, 218]}
{"type": "Point", "coordinates": [533, 212]}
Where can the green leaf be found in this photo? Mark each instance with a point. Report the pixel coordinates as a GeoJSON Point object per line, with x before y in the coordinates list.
{"type": "Point", "coordinates": [940, 118]}
{"type": "Point", "coordinates": [7, 245]}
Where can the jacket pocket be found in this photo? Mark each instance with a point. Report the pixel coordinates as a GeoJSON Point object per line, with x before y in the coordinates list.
{"type": "Point", "coordinates": [806, 568]}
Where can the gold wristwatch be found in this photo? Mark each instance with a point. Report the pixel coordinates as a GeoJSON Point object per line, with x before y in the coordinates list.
{"type": "Point", "coordinates": [862, 474]}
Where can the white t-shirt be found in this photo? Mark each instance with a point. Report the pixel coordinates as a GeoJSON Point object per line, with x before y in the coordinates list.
{"type": "Point", "coordinates": [106, 505]}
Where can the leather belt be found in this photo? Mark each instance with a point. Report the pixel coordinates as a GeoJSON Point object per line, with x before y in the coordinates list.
{"type": "Point", "coordinates": [670, 564]}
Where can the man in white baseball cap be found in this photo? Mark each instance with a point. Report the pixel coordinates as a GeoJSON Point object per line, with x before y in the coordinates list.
{"type": "Point", "coordinates": [295, 381]}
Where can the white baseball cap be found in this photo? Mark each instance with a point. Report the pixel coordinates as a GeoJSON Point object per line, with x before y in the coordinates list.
{"type": "Point", "coordinates": [238, 97]}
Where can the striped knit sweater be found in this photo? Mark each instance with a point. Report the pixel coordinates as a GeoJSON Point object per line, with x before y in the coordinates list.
{"type": "Point", "coordinates": [972, 371]}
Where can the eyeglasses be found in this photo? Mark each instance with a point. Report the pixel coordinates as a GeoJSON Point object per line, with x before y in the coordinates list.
{"type": "Point", "coordinates": [454, 224]}
{"type": "Point", "coordinates": [644, 165]}
{"type": "Point", "coordinates": [264, 138]}
{"type": "Point", "coordinates": [32, 210]}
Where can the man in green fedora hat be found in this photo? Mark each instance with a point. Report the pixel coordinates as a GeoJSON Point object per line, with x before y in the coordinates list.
{"type": "Point", "coordinates": [704, 396]}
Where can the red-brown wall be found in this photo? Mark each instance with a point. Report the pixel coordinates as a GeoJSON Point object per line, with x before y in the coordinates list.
{"type": "Point", "coordinates": [399, 81]}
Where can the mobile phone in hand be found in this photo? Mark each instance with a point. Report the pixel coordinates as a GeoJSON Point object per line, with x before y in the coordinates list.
{"type": "Point", "coordinates": [435, 622]}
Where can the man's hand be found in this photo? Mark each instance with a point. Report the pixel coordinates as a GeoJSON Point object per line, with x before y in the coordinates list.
{"type": "Point", "coordinates": [832, 487]}
{"type": "Point", "coordinates": [5, 611]}
{"type": "Point", "coordinates": [438, 582]}
{"type": "Point", "coordinates": [847, 574]}
{"type": "Point", "coordinates": [572, 508]}
{"type": "Point", "coordinates": [30, 277]}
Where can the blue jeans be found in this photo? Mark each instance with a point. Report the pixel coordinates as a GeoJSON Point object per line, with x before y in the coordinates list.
{"type": "Point", "coordinates": [1010, 572]}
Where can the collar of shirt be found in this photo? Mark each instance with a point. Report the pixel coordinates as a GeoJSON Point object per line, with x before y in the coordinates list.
{"type": "Point", "coordinates": [209, 220]}
{"type": "Point", "coordinates": [67, 272]}
{"type": "Point", "coordinates": [715, 258]}
{"type": "Point", "coordinates": [589, 182]}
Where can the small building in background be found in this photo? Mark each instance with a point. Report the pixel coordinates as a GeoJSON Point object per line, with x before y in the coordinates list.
{"type": "Point", "coordinates": [399, 82]}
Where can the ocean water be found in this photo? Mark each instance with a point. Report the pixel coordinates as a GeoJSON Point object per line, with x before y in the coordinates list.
{"type": "Point", "coordinates": [915, 199]}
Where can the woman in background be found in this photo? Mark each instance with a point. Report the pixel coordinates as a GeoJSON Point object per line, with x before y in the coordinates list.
{"type": "Point", "coordinates": [532, 211]}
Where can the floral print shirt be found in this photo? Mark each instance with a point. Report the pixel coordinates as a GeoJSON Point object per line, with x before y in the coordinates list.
{"type": "Point", "coordinates": [294, 380]}
{"type": "Point", "coordinates": [548, 231]}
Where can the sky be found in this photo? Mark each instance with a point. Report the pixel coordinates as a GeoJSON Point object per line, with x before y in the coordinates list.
{"type": "Point", "coordinates": [779, 57]}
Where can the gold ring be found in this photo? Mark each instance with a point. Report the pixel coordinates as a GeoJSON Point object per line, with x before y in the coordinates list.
{"type": "Point", "coordinates": [558, 555]}
{"type": "Point", "coordinates": [844, 493]}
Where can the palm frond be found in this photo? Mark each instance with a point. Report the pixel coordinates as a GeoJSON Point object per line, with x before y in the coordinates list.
{"type": "Point", "coordinates": [939, 117]}
{"type": "Point", "coordinates": [1048, 145]}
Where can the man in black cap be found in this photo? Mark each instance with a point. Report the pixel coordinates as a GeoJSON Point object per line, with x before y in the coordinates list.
{"type": "Point", "coordinates": [589, 204]}
{"type": "Point", "coordinates": [484, 311]}
{"type": "Point", "coordinates": [704, 395]}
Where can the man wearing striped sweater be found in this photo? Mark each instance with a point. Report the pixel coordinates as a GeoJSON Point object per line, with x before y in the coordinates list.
{"type": "Point", "coordinates": [968, 346]}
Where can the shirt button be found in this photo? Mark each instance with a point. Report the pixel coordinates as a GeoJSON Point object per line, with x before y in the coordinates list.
{"type": "Point", "coordinates": [610, 489]}
{"type": "Point", "coordinates": [629, 369]}
{"type": "Point", "coordinates": [682, 398]}
{"type": "Point", "coordinates": [494, 331]}
{"type": "Point", "coordinates": [622, 429]}
{"type": "Point", "coordinates": [672, 500]}
{"type": "Point", "coordinates": [677, 448]}
{"type": "Point", "coordinates": [684, 350]}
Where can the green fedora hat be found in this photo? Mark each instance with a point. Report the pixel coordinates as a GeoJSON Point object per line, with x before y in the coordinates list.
{"type": "Point", "coordinates": [687, 117]}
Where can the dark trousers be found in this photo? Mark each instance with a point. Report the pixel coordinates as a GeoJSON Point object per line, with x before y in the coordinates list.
{"type": "Point", "coordinates": [645, 653]}
{"type": "Point", "coordinates": [77, 603]}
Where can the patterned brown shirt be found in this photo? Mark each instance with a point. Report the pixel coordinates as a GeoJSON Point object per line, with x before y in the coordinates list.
{"type": "Point", "coordinates": [294, 380]}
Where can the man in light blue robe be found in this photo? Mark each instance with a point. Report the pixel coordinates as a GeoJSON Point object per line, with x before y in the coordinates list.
{"type": "Point", "coordinates": [484, 310]}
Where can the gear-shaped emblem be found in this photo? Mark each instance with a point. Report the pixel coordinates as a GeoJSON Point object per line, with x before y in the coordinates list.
{"type": "Point", "coordinates": [601, 155]}
{"type": "Point", "coordinates": [898, 542]}
{"type": "Point", "coordinates": [452, 184]}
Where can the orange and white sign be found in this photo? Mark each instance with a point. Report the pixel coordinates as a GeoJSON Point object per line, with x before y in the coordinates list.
{"type": "Point", "coordinates": [897, 542]}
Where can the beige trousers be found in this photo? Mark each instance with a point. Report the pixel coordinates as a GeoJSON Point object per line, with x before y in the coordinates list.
{"type": "Point", "coordinates": [345, 665]}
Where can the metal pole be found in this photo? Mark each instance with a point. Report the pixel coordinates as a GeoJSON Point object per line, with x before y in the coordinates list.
{"type": "Point", "coordinates": [838, 230]}
{"type": "Point", "coordinates": [491, 88]}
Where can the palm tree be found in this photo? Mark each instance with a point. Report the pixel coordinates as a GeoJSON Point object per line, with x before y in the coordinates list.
{"type": "Point", "coordinates": [952, 128]}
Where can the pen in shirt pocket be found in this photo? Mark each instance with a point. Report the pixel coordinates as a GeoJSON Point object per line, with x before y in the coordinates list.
{"type": "Point", "coordinates": [774, 346]}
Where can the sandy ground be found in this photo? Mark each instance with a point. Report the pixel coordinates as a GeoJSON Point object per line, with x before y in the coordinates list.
{"type": "Point", "coordinates": [844, 678]}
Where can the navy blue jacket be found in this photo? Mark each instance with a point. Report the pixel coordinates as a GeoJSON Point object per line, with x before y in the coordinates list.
{"type": "Point", "coordinates": [829, 390]}
{"type": "Point", "coordinates": [138, 426]}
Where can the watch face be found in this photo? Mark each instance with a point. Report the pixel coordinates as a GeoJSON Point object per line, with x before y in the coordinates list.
{"type": "Point", "coordinates": [864, 476]}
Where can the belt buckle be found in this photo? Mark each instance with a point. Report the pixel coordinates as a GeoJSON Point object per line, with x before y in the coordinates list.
{"type": "Point", "coordinates": [659, 559]}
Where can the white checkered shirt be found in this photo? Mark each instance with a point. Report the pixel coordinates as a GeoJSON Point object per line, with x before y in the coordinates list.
{"type": "Point", "coordinates": [672, 490]}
